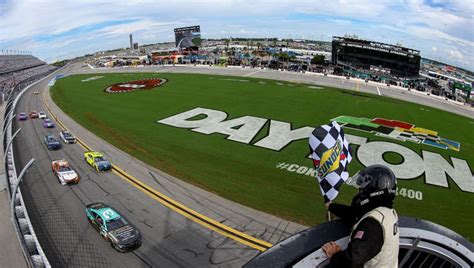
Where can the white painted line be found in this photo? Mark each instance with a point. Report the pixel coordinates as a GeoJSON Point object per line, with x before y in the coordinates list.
{"type": "Point", "coordinates": [378, 90]}
{"type": "Point", "coordinates": [249, 74]}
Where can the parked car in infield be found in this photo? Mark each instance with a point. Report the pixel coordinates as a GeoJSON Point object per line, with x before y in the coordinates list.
{"type": "Point", "coordinates": [51, 142]}
{"type": "Point", "coordinates": [47, 123]}
{"type": "Point", "coordinates": [64, 172]}
{"type": "Point", "coordinates": [122, 236]}
{"type": "Point", "coordinates": [42, 115]}
{"type": "Point", "coordinates": [22, 116]}
{"type": "Point", "coordinates": [97, 161]}
{"type": "Point", "coordinates": [33, 114]}
{"type": "Point", "coordinates": [67, 137]}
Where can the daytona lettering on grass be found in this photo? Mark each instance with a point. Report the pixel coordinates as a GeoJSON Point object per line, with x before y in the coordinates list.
{"type": "Point", "coordinates": [311, 172]}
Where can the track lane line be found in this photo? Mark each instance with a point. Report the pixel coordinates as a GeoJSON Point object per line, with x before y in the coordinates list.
{"type": "Point", "coordinates": [174, 205]}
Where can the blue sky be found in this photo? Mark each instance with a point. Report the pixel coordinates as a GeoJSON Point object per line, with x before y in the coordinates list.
{"type": "Point", "coordinates": [53, 30]}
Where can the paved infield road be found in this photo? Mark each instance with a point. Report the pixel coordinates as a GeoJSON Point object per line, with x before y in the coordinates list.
{"type": "Point", "coordinates": [169, 239]}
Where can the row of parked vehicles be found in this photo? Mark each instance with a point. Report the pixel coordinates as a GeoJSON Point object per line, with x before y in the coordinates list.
{"type": "Point", "coordinates": [112, 226]}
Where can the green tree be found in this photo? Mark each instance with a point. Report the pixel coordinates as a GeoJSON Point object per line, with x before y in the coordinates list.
{"type": "Point", "coordinates": [283, 56]}
{"type": "Point", "coordinates": [317, 59]}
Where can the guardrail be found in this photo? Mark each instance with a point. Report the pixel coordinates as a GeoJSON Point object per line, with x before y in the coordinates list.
{"type": "Point", "coordinates": [29, 243]}
{"type": "Point", "coordinates": [422, 244]}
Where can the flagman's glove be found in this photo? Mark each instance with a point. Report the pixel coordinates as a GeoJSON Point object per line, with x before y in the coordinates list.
{"type": "Point", "coordinates": [331, 248]}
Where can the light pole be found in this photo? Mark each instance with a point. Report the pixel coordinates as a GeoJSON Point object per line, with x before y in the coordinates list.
{"type": "Point", "coordinates": [8, 104]}
{"type": "Point", "coordinates": [8, 123]}
{"type": "Point", "coordinates": [15, 188]}
{"type": "Point", "coordinates": [10, 94]}
{"type": "Point", "coordinates": [9, 144]}
{"type": "Point", "coordinates": [13, 216]}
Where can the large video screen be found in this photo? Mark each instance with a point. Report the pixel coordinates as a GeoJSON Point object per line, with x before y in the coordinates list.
{"type": "Point", "coordinates": [188, 36]}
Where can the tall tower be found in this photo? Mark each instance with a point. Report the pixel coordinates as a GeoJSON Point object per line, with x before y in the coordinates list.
{"type": "Point", "coordinates": [131, 43]}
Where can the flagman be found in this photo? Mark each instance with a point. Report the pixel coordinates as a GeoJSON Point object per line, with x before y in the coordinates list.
{"type": "Point", "coordinates": [374, 240]}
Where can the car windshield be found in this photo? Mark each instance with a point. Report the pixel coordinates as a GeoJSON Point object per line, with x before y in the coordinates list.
{"type": "Point", "coordinates": [64, 169]}
{"type": "Point", "coordinates": [115, 224]}
{"type": "Point", "coordinates": [98, 159]}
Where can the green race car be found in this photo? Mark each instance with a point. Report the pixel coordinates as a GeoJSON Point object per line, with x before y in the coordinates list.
{"type": "Point", "coordinates": [113, 227]}
{"type": "Point", "coordinates": [97, 161]}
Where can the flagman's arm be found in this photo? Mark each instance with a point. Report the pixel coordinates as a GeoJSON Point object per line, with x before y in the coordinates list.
{"type": "Point", "coordinates": [366, 242]}
{"type": "Point", "coordinates": [341, 211]}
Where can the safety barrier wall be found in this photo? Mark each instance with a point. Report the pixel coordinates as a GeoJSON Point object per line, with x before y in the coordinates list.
{"type": "Point", "coordinates": [29, 243]}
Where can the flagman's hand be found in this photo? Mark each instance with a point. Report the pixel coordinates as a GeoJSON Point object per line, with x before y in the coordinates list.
{"type": "Point", "coordinates": [327, 204]}
{"type": "Point", "coordinates": [331, 248]}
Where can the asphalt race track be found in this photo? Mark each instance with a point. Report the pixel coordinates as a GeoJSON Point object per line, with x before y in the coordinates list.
{"type": "Point", "coordinates": [169, 239]}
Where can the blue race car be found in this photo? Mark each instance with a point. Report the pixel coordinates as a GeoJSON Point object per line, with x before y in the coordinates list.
{"type": "Point", "coordinates": [113, 227]}
{"type": "Point", "coordinates": [51, 142]}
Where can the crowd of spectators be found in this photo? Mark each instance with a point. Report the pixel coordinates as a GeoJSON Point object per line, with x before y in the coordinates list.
{"type": "Point", "coordinates": [10, 63]}
{"type": "Point", "coordinates": [15, 69]}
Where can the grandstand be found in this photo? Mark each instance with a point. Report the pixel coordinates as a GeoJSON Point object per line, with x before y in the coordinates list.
{"type": "Point", "coordinates": [370, 56]}
{"type": "Point", "coordinates": [15, 69]}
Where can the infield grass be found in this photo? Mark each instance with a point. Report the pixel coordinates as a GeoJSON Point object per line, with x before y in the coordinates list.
{"type": "Point", "coordinates": [247, 174]}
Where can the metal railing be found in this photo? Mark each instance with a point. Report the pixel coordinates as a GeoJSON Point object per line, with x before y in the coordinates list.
{"type": "Point", "coordinates": [31, 248]}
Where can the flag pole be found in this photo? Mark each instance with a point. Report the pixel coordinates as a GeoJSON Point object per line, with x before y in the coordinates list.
{"type": "Point", "coordinates": [328, 216]}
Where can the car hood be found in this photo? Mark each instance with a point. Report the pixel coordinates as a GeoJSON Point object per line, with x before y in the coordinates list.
{"type": "Point", "coordinates": [54, 143]}
{"type": "Point", "coordinates": [125, 235]}
{"type": "Point", "coordinates": [67, 175]}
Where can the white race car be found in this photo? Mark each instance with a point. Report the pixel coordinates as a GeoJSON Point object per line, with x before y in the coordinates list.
{"type": "Point", "coordinates": [67, 137]}
{"type": "Point", "coordinates": [64, 172]}
{"type": "Point", "coordinates": [42, 115]}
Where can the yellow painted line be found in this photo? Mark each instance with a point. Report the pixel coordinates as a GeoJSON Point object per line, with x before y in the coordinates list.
{"type": "Point", "coordinates": [172, 204]}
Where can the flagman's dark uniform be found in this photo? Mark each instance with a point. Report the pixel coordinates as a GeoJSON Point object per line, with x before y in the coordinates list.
{"type": "Point", "coordinates": [374, 240]}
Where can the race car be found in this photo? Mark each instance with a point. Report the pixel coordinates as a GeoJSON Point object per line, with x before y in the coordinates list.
{"type": "Point", "coordinates": [33, 114]}
{"type": "Point", "coordinates": [47, 123]}
{"type": "Point", "coordinates": [22, 116]}
{"type": "Point", "coordinates": [35, 92]}
{"type": "Point", "coordinates": [64, 172]}
{"type": "Point", "coordinates": [42, 115]}
{"type": "Point", "coordinates": [97, 161]}
{"type": "Point", "coordinates": [51, 142]}
{"type": "Point", "coordinates": [113, 227]}
{"type": "Point", "coordinates": [67, 137]}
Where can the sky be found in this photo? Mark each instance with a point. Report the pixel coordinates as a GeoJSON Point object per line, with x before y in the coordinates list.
{"type": "Point", "coordinates": [55, 30]}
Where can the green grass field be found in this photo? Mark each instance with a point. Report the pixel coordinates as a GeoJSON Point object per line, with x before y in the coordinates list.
{"type": "Point", "coordinates": [247, 174]}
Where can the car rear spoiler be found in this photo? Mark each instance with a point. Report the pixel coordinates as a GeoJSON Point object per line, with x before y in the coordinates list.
{"type": "Point", "coordinates": [96, 205]}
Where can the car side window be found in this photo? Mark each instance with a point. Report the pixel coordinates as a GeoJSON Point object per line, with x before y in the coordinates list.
{"type": "Point", "coordinates": [97, 218]}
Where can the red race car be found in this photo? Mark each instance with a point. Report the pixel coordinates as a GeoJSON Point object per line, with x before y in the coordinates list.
{"type": "Point", "coordinates": [33, 114]}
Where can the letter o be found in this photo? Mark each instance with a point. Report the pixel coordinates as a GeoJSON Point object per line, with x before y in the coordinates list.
{"type": "Point", "coordinates": [301, 170]}
{"type": "Point", "coordinates": [371, 153]}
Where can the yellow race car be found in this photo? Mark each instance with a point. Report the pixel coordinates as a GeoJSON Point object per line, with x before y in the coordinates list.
{"type": "Point", "coordinates": [97, 161]}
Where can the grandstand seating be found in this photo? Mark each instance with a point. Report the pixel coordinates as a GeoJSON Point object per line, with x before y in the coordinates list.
{"type": "Point", "coordinates": [10, 63]}
{"type": "Point", "coordinates": [17, 68]}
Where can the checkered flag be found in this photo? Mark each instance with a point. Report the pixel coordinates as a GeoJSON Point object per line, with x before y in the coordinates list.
{"type": "Point", "coordinates": [331, 155]}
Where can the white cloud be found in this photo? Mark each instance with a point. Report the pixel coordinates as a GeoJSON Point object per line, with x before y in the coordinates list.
{"type": "Point", "coordinates": [445, 24]}
{"type": "Point", "coordinates": [456, 54]}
